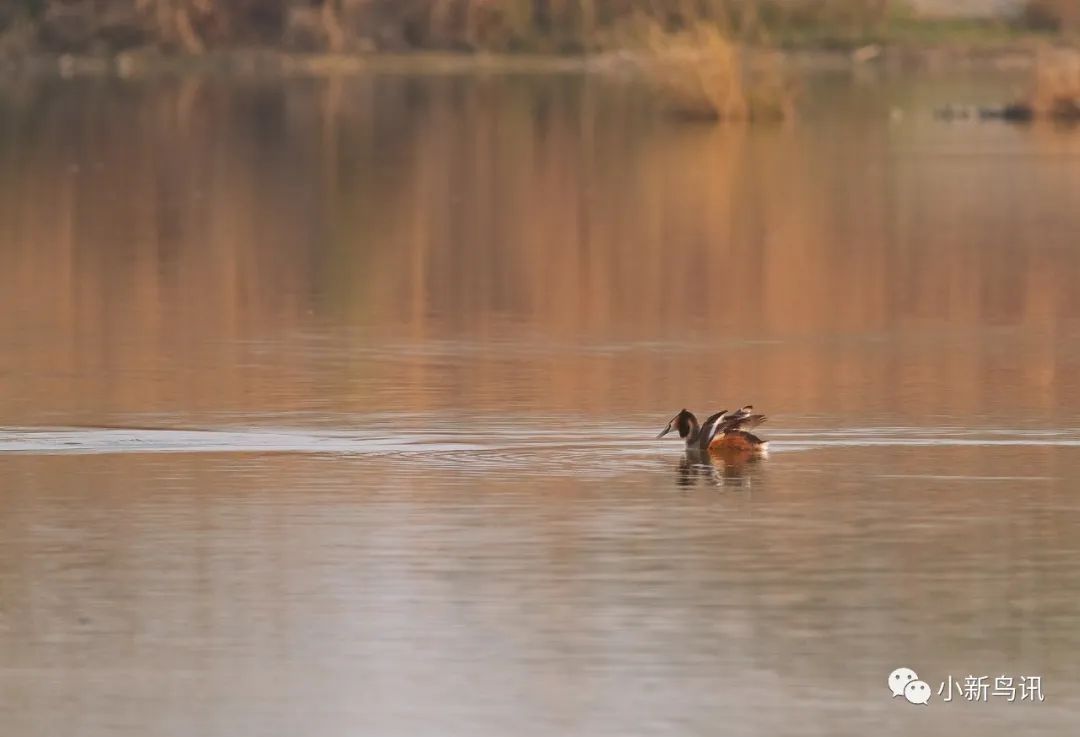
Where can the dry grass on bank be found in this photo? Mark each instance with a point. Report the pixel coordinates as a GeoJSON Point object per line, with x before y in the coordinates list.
{"type": "Point", "coordinates": [700, 74]}
{"type": "Point", "coordinates": [1056, 88]}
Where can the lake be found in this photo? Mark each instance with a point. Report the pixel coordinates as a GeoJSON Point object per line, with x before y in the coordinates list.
{"type": "Point", "coordinates": [329, 407]}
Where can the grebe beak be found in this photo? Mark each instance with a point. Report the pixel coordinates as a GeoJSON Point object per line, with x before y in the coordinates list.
{"type": "Point", "coordinates": [664, 432]}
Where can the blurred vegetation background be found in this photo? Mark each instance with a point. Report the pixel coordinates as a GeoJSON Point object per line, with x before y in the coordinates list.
{"type": "Point", "coordinates": [544, 26]}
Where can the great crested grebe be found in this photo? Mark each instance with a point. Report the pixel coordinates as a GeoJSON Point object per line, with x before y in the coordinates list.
{"type": "Point", "coordinates": [721, 431]}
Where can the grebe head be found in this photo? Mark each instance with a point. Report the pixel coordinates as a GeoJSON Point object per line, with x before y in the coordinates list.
{"type": "Point", "coordinates": [684, 422]}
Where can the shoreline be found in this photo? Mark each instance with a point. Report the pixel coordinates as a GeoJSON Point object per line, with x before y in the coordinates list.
{"type": "Point", "coordinates": [275, 63]}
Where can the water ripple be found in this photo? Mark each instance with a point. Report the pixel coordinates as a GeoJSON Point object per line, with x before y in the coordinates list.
{"type": "Point", "coordinates": [491, 444]}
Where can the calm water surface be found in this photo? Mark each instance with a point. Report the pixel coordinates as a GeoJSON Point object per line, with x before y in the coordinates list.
{"type": "Point", "coordinates": [328, 408]}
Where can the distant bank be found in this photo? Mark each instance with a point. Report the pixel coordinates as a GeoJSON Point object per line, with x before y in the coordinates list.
{"type": "Point", "coordinates": [126, 36]}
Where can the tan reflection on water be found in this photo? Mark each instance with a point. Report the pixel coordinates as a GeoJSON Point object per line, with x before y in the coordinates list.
{"type": "Point", "coordinates": [413, 244]}
{"type": "Point", "coordinates": [275, 595]}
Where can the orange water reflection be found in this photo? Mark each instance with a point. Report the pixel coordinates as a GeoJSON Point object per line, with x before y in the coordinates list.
{"type": "Point", "coordinates": [546, 244]}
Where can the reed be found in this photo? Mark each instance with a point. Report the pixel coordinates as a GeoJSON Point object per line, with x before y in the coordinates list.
{"type": "Point", "coordinates": [1056, 88]}
{"type": "Point", "coordinates": [699, 73]}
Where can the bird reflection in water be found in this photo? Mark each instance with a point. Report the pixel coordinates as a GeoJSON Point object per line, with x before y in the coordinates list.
{"type": "Point", "coordinates": [728, 468]}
